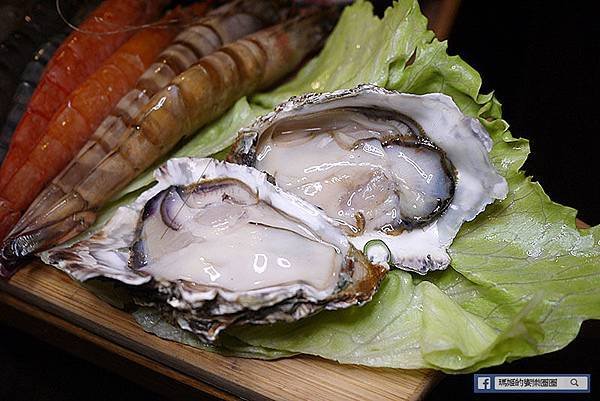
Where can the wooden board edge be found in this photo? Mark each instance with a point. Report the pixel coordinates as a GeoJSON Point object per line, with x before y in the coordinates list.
{"type": "Point", "coordinates": [441, 15]}
{"type": "Point", "coordinates": [429, 384]}
{"type": "Point", "coordinates": [158, 357]}
{"type": "Point", "coordinates": [102, 352]}
{"type": "Point", "coordinates": [39, 309]}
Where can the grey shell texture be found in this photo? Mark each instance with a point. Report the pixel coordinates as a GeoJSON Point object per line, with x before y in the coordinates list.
{"type": "Point", "coordinates": [134, 248]}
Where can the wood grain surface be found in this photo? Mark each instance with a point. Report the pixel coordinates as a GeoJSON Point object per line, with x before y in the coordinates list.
{"type": "Point", "coordinates": [47, 296]}
{"type": "Point", "coordinates": [50, 295]}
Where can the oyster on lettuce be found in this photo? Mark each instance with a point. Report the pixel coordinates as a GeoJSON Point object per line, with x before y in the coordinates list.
{"type": "Point", "coordinates": [215, 244]}
{"type": "Point", "coordinates": [396, 170]}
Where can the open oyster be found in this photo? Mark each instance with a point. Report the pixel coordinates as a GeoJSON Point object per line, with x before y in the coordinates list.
{"type": "Point", "coordinates": [400, 173]}
{"type": "Point", "coordinates": [215, 244]}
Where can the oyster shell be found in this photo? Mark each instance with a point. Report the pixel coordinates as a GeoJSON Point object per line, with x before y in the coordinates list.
{"type": "Point", "coordinates": [215, 244]}
{"type": "Point", "coordinates": [404, 169]}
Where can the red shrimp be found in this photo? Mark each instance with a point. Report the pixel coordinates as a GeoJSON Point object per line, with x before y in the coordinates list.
{"type": "Point", "coordinates": [75, 60]}
{"type": "Point", "coordinates": [192, 99]}
{"type": "Point", "coordinates": [204, 36]}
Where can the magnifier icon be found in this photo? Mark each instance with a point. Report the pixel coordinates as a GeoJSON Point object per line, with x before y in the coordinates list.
{"type": "Point", "coordinates": [574, 382]}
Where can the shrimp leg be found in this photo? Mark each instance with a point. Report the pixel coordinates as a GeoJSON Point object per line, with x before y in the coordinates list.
{"type": "Point", "coordinates": [192, 99]}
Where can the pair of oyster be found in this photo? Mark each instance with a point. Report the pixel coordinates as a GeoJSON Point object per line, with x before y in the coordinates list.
{"type": "Point", "coordinates": [219, 244]}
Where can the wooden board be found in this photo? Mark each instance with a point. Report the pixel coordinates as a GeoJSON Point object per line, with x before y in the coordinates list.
{"type": "Point", "coordinates": [441, 15]}
{"type": "Point", "coordinates": [47, 303]}
{"type": "Point", "coordinates": [49, 295]}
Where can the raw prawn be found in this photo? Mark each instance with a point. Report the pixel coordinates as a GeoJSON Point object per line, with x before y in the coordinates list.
{"type": "Point", "coordinates": [75, 60]}
{"type": "Point", "coordinates": [84, 109]}
{"type": "Point", "coordinates": [191, 100]}
{"type": "Point", "coordinates": [223, 25]}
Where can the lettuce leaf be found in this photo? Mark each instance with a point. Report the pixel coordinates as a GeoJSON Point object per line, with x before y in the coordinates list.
{"type": "Point", "coordinates": [361, 49]}
{"type": "Point", "coordinates": [523, 278]}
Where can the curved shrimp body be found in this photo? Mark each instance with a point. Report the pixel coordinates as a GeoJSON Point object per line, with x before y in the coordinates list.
{"type": "Point", "coordinates": [29, 79]}
{"type": "Point", "coordinates": [222, 25]}
{"type": "Point", "coordinates": [74, 61]}
{"type": "Point", "coordinates": [192, 99]}
{"type": "Point", "coordinates": [84, 109]}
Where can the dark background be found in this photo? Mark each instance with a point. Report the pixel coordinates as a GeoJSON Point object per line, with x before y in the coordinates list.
{"type": "Point", "coordinates": [543, 61]}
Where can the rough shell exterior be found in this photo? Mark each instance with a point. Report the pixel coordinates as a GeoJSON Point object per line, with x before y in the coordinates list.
{"type": "Point", "coordinates": [207, 310]}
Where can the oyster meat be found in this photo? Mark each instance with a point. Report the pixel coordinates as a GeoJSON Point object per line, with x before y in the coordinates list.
{"type": "Point", "coordinates": [215, 244]}
{"type": "Point", "coordinates": [404, 170]}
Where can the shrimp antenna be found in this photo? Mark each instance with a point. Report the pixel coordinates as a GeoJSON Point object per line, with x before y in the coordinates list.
{"type": "Point", "coordinates": [157, 24]}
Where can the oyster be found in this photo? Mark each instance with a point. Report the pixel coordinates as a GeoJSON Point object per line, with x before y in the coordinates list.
{"type": "Point", "coordinates": [399, 172]}
{"type": "Point", "coordinates": [215, 244]}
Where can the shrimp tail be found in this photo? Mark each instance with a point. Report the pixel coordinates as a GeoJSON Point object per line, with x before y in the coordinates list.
{"type": "Point", "coordinates": [20, 250]}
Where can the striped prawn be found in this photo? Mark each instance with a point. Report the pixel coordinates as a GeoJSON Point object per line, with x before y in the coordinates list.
{"type": "Point", "coordinates": [74, 61]}
{"type": "Point", "coordinates": [224, 25]}
{"type": "Point", "coordinates": [192, 99]}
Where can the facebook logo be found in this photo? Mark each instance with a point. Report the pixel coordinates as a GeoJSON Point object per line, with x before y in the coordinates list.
{"type": "Point", "coordinates": [484, 383]}
{"type": "Point", "coordinates": [527, 383]}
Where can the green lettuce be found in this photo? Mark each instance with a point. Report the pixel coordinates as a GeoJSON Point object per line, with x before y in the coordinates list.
{"type": "Point", "coordinates": [523, 278]}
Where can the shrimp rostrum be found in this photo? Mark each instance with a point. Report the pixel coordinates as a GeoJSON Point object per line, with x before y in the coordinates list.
{"type": "Point", "coordinates": [192, 99]}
